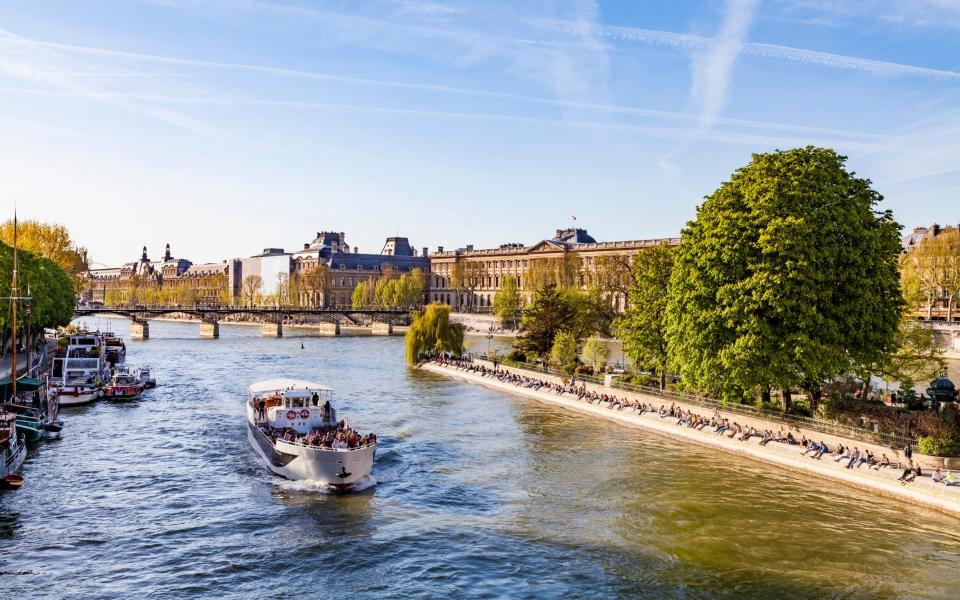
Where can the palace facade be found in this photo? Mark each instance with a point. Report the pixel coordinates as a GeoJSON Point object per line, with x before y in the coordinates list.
{"type": "Point", "coordinates": [468, 279]}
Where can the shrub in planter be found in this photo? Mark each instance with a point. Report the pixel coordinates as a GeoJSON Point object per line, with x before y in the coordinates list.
{"type": "Point", "coordinates": [937, 446]}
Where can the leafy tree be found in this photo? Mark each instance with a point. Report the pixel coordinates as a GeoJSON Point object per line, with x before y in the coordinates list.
{"type": "Point", "coordinates": [465, 277]}
{"type": "Point", "coordinates": [362, 295]}
{"type": "Point", "coordinates": [549, 313]}
{"type": "Point", "coordinates": [562, 271]}
{"type": "Point", "coordinates": [563, 354]}
{"type": "Point", "coordinates": [432, 332]}
{"type": "Point", "coordinates": [508, 302]}
{"type": "Point", "coordinates": [613, 274]}
{"type": "Point", "coordinates": [595, 352]}
{"type": "Point", "coordinates": [592, 312]}
{"type": "Point", "coordinates": [48, 284]}
{"type": "Point", "coordinates": [643, 326]}
{"type": "Point", "coordinates": [787, 278]}
{"type": "Point", "coordinates": [314, 283]}
{"type": "Point", "coordinates": [52, 242]}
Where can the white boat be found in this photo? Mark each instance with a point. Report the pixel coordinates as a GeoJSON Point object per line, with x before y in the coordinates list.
{"type": "Point", "coordinates": [145, 376]}
{"type": "Point", "coordinates": [291, 424]}
{"type": "Point", "coordinates": [77, 378]}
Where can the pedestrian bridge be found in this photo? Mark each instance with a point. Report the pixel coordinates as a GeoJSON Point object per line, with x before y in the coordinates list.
{"type": "Point", "coordinates": [380, 320]}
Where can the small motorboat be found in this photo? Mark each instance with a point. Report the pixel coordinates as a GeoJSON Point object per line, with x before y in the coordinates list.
{"type": "Point", "coordinates": [123, 386]}
{"type": "Point", "coordinates": [13, 451]}
{"type": "Point", "coordinates": [145, 376]}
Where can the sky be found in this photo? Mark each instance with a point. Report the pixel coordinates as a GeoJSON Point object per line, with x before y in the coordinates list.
{"type": "Point", "coordinates": [224, 127]}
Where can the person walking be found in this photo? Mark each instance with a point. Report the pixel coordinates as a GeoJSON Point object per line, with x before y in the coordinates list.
{"type": "Point", "coordinates": [907, 452]}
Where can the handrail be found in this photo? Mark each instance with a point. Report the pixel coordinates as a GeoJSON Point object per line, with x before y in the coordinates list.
{"type": "Point", "coordinates": [865, 435]}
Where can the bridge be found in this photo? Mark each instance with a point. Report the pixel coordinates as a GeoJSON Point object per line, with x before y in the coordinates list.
{"type": "Point", "coordinates": [328, 320]}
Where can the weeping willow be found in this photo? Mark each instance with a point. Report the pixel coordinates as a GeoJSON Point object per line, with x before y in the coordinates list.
{"type": "Point", "coordinates": [431, 332]}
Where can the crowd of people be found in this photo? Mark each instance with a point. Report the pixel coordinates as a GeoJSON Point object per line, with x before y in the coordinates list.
{"type": "Point", "coordinates": [851, 458]}
{"type": "Point", "coordinates": [341, 437]}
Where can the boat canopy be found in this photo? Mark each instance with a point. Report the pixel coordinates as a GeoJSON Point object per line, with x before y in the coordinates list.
{"type": "Point", "coordinates": [24, 384]}
{"type": "Point", "coordinates": [280, 385]}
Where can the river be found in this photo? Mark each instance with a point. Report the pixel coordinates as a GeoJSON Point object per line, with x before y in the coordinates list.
{"type": "Point", "coordinates": [479, 494]}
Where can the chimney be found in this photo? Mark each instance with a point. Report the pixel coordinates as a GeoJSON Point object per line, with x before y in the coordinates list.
{"type": "Point", "coordinates": [306, 246]}
{"type": "Point", "coordinates": [440, 249]}
{"type": "Point", "coordinates": [469, 247]}
{"type": "Point", "coordinates": [936, 229]}
{"type": "Point", "coordinates": [426, 251]}
{"type": "Point", "coordinates": [356, 250]}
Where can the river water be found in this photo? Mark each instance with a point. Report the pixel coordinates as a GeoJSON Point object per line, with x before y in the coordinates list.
{"type": "Point", "coordinates": [479, 494]}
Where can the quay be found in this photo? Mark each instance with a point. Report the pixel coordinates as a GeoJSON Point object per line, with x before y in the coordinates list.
{"type": "Point", "coordinates": [921, 492]}
{"type": "Point", "coordinates": [329, 320]}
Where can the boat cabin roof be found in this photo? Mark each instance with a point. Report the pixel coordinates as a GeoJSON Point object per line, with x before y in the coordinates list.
{"type": "Point", "coordinates": [287, 387]}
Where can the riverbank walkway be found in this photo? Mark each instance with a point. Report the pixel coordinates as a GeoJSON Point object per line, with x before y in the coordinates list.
{"type": "Point", "coordinates": [644, 411]}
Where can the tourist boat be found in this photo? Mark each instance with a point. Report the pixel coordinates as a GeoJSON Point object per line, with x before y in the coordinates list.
{"type": "Point", "coordinates": [281, 413]}
{"type": "Point", "coordinates": [145, 376]}
{"type": "Point", "coordinates": [115, 349]}
{"type": "Point", "coordinates": [77, 377]}
{"type": "Point", "coordinates": [12, 452]}
{"type": "Point", "coordinates": [123, 386]}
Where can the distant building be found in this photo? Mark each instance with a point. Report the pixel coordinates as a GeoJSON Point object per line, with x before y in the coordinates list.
{"type": "Point", "coordinates": [467, 279]}
{"type": "Point", "coordinates": [167, 281]}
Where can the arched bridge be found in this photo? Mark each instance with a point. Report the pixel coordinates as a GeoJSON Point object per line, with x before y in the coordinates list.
{"type": "Point", "coordinates": [327, 320]}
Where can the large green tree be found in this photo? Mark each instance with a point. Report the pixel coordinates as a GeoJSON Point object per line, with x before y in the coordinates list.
{"type": "Point", "coordinates": [432, 332]}
{"type": "Point", "coordinates": [548, 313]}
{"type": "Point", "coordinates": [643, 326]}
{"type": "Point", "coordinates": [49, 285]}
{"type": "Point", "coordinates": [786, 278]}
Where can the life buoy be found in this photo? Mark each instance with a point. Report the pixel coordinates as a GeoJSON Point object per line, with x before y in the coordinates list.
{"type": "Point", "coordinates": [304, 414]}
{"type": "Point", "coordinates": [291, 415]}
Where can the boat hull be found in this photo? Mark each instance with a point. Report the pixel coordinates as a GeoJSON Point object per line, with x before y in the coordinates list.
{"type": "Point", "coordinates": [10, 462]}
{"type": "Point", "coordinates": [75, 397]}
{"type": "Point", "coordinates": [341, 468]}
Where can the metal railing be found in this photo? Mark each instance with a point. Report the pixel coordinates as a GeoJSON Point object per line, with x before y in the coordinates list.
{"type": "Point", "coordinates": [828, 427]}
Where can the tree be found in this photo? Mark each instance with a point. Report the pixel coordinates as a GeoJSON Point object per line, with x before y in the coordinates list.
{"type": "Point", "coordinates": [563, 354]}
{"type": "Point", "coordinates": [314, 284]}
{"type": "Point", "coordinates": [595, 352]}
{"type": "Point", "coordinates": [549, 313]}
{"type": "Point", "coordinates": [592, 312]}
{"type": "Point", "coordinates": [643, 326]}
{"type": "Point", "coordinates": [465, 277]}
{"type": "Point", "coordinates": [787, 278]}
{"type": "Point", "coordinates": [508, 302]}
{"type": "Point", "coordinates": [49, 285]}
{"type": "Point", "coordinates": [563, 271]}
{"type": "Point", "coordinates": [613, 274]}
{"type": "Point", "coordinates": [52, 242]}
{"type": "Point", "coordinates": [362, 296]}
{"type": "Point", "coordinates": [282, 295]}
{"type": "Point", "coordinates": [432, 332]}
{"type": "Point", "coordinates": [251, 288]}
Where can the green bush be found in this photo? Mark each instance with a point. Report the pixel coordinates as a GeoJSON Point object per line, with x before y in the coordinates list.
{"type": "Point", "coordinates": [937, 446]}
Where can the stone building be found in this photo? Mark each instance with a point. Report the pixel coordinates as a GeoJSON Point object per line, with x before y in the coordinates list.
{"type": "Point", "coordinates": [168, 281]}
{"type": "Point", "coordinates": [325, 272]}
{"type": "Point", "coordinates": [937, 269]}
{"type": "Point", "coordinates": [467, 279]}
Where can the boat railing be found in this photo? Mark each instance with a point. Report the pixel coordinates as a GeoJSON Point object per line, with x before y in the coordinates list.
{"type": "Point", "coordinates": [301, 444]}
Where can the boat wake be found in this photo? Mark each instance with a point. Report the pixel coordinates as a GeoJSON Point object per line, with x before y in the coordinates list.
{"type": "Point", "coordinates": [321, 487]}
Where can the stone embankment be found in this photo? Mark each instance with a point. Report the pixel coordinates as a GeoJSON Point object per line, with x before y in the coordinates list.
{"type": "Point", "coordinates": [923, 491]}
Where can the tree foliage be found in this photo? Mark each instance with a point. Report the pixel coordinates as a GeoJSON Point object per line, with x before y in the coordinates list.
{"type": "Point", "coordinates": [595, 352]}
{"type": "Point", "coordinates": [508, 302]}
{"type": "Point", "coordinates": [548, 314]}
{"type": "Point", "coordinates": [931, 271]}
{"type": "Point", "coordinates": [49, 285]}
{"type": "Point", "coordinates": [563, 353]}
{"type": "Point", "coordinates": [786, 278]}
{"type": "Point", "coordinates": [52, 242]}
{"type": "Point", "coordinates": [432, 332]}
{"type": "Point", "coordinates": [643, 326]}
{"type": "Point", "coordinates": [563, 272]}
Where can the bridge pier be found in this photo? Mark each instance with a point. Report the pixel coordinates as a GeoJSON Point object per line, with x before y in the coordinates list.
{"type": "Point", "coordinates": [381, 328]}
{"type": "Point", "coordinates": [328, 329]}
{"type": "Point", "coordinates": [272, 329]}
{"type": "Point", "coordinates": [209, 330]}
{"type": "Point", "coordinates": [139, 330]}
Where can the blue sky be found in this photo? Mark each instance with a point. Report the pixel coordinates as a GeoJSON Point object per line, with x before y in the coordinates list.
{"type": "Point", "coordinates": [227, 126]}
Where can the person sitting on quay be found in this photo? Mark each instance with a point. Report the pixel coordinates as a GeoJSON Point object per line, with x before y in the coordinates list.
{"type": "Point", "coordinates": [908, 474]}
{"type": "Point", "coordinates": [747, 434]}
{"type": "Point", "coordinates": [867, 458]}
{"type": "Point", "coordinates": [821, 450]}
{"type": "Point", "coordinates": [884, 462]}
{"type": "Point", "coordinates": [841, 453]}
{"type": "Point", "coordinates": [938, 476]}
{"type": "Point", "coordinates": [854, 457]}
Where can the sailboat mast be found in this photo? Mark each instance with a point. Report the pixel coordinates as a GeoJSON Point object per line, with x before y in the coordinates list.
{"type": "Point", "coordinates": [13, 300]}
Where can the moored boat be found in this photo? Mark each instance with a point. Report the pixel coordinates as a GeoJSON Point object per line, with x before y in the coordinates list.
{"type": "Point", "coordinates": [123, 386]}
{"type": "Point", "coordinates": [13, 451]}
{"type": "Point", "coordinates": [77, 376]}
{"type": "Point", "coordinates": [35, 407]}
{"type": "Point", "coordinates": [114, 348]}
{"type": "Point", "coordinates": [293, 427]}
{"type": "Point", "coordinates": [145, 376]}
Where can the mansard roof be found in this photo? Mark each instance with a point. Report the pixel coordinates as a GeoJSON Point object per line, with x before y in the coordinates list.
{"type": "Point", "coordinates": [371, 261]}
